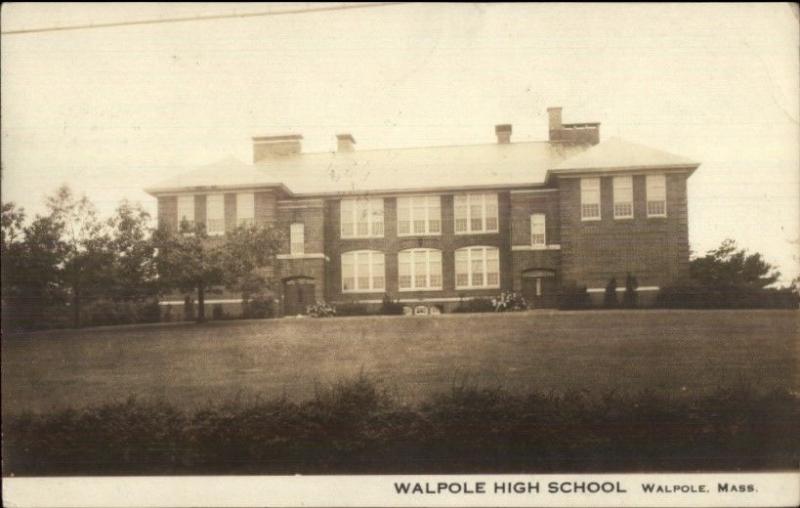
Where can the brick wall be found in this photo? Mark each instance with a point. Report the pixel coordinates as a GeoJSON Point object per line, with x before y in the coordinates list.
{"type": "Point", "coordinates": [391, 244]}
{"type": "Point", "coordinates": [168, 212]}
{"type": "Point", "coordinates": [523, 205]}
{"type": "Point", "coordinates": [655, 250]}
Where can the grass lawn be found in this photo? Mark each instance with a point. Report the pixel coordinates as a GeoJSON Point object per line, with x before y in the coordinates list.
{"type": "Point", "coordinates": [189, 365]}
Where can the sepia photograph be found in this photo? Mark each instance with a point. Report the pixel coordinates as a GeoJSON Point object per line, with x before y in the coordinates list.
{"type": "Point", "coordinates": [518, 253]}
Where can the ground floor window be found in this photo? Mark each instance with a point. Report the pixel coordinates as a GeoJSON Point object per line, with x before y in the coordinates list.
{"type": "Point", "coordinates": [477, 267]}
{"type": "Point", "coordinates": [363, 271]}
{"type": "Point", "coordinates": [419, 269]}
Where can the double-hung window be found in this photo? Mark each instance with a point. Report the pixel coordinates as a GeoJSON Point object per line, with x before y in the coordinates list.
{"type": "Point", "coordinates": [363, 271]}
{"type": "Point", "coordinates": [297, 238]}
{"type": "Point", "coordinates": [361, 218]}
{"type": "Point", "coordinates": [186, 210]}
{"type": "Point", "coordinates": [656, 195]}
{"type": "Point", "coordinates": [475, 213]}
{"type": "Point", "coordinates": [477, 267]}
{"type": "Point", "coordinates": [245, 208]}
{"type": "Point", "coordinates": [590, 199]}
{"type": "Point", "coordinates": [538, 231]}
{"type": "Point", "coordinates": [215, 214]}
{"type": "Point", "coordinates": [419, 215]}
{"type": "Point", "coordinates": [419, 269]}
{"type": "Point", "coordinates": [623, 197]}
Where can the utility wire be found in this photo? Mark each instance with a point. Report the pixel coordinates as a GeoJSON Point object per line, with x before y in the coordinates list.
{"type": "Point", "coordinates": [199, 18]}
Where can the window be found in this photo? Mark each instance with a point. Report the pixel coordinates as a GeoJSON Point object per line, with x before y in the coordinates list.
{"type": "Point", "coordinates": [363, 271]}
{"type": "Point", "coordinates": [186, 210]}
{"type": "Point", "coordinates": [475, 213]}
{"type": "Point", "coordinates": [477, 267]}
{"type": "Point", "coordinates": [215, 214]}
{"type": "Point", "coordinates": [419, 269]}
{"type": "Point", "coordinates": [245, 208]}
{"type": "Point", "coordinates": [419, 215]}
{"type": "Point", "coordinates": [538, 236]}
{"type": "Point", "coordinates": [361, 218]}
{"type": "Point", "coordinates": [297, 238]}
{"type": "Point", "coordinates": [656, 196]}
{"type": "Point", "coordinates": [623, 197]}
{"type": "Point", "coordinates": [590, 199]}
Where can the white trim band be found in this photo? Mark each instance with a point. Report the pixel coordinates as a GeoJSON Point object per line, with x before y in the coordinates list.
{"type": "Point", "coordinates": [303, 256]}
{"type": "Point", "coordinates": [642, 288]}
{"type": "Point", "coordinates": [553, 246]}
{"type": "Point", "coordinates": [207, 302]}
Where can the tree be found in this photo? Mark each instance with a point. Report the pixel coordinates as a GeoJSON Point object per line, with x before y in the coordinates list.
{"type": "Point", "coordinates": [727, 268]}
{"type": "Point", "coordinates": [134, 272]}
{"type": "Point", "coordinates": [32, 257]}
{"type": "Point", "coordinates": [189, 260]}
{"type": "Point", "coordinates": [88, 256]}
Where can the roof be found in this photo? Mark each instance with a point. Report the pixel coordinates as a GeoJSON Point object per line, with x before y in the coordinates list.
{"type": "Point", "coordinates": [416, 169]}
{"type": "Point", "coordinates": [618, 154]}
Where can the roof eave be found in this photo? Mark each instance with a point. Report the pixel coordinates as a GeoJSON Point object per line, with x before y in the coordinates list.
{"type": "Point", "coordinates": [160, 191]}
{"type": "Point", "coordinates": [571, 172]}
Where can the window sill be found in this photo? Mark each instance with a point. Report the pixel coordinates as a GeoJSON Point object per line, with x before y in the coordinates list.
{"type": "Point", "coordinates": [590, 219]}
{"type": "Point", "coordinates": [657, 216]}
{"type": "Point", "coordinates": [478, 287]}
{"type": "Point", "coordinates": [465, 233]}
{"type": "Point", "coordinates": [626, 217]}
{"type": "Point", "coordinates": [552, 246]}
{"type": "Point", "coordinates": [361, 237]}
{"type": "Point", "coordinates": [414, 290]}
{"type": "Point", "coordinates": [412, 235]}
{"type": "Point", "coordinates": [362, 291]}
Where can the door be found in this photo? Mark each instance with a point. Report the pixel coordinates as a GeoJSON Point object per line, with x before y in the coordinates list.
{"type": "Point", "coordinates": [539, 288]}
{"type": "Point", "coordinates": [298, 293]}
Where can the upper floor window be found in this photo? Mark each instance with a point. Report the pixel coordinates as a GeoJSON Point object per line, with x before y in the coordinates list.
{"type": "Point", "coordinates": [297, 238]}
{"type": "Point", "coordinates": [363, 271]}
{"type": "Point", "coordinates": [623, 197]}
{"type": "Point", "coordinates": [475, 213]}
{"type": "Point", "coordinates": [245, 208]}
{"type": "Point", "coordinates": [538, 236]}
{"type": "Point", "coordinates": [186, 210]}
{"type": "Point", "coordinates": [419, 215]}
{"type": "Point", "coordinates": [590, 199]}
{"type": "Point", "coordinates": [215, 214]}
{"type": "Point", "coordinates": [477, 267]}
{"type": "Point", "coordinates": [361, 218]}
{"type": "Point", "coordinates": [656, 196]}
{"type": "Point", "coordinates": [419, 269]}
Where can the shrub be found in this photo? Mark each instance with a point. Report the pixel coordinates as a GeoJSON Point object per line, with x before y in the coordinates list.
{"type": "Point", "coordinates": [217, 312]}
{"type": "Point", "coordinates": [320, 309]}
{"type": "Point", "coordinates": [259, 307]}
{"type": "Point", "coordinates": [355, 427]}
{"type": "Point", "coordinates": [475, 305]}
{"type": "Point", "coordinates": [574, 297]}
{"type": "Point", "coordinates": [610, 296]}
{"type": "Point", "coordinates": [391, 307]}
{"type": "Point", "coordinates": [509, 301]}
{"type": "Point", "coordinates": [629, 299]}
{"type": "Point", "coordinates": [703, 297]}
{"type": "Point", "coordinates": [351, 309]}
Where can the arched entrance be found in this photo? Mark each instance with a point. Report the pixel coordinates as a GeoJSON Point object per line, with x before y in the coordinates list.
{"type": "Point", "coordinates": [298, 293]}
{"type": "Point", "coordinates": [539, 288]}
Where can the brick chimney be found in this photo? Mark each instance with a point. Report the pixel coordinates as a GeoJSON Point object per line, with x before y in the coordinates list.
{"type": "Point", "coordinates": [577, 133]}
{"type": "Point", "coordinates": [503, 133]}
{"type": "Point", "coordinates": [345, 142]}
{"type": "Point", "coordinates": [275, 147]}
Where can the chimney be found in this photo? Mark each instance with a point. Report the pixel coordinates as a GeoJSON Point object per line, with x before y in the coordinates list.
{"type": "Point", "coordinates": [577, 133]}
{"type": "Point", "coordinates": [345, 142]}
{"type": "Point", "coordinates": [503, 133]}
{"type": "Point", "coordinates": [555, 119]}
{"type": "Point", "coordinates": [276, 147]}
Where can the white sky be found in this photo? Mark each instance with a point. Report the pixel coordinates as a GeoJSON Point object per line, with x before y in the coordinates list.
{"type": "Point", "coordinates": [112, 110]}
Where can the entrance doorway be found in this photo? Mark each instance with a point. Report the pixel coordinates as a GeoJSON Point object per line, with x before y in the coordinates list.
{"type": "Point", "coordinates": [298, 293]}
{"type": "Point", "coordinates": [539, 288]}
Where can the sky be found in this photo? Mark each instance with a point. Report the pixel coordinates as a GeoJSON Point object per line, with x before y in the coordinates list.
{"type": "Point", "coordinates": [110, 111]}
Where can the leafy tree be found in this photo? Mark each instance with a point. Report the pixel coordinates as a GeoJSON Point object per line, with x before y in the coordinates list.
{"type": "Point", "coordinates": [88, 255]}
{"type": "Point", "coordinates": [134, 271]}
{"type": "Point", "coordinates": [32, 256]}
{"type": "Point", "coordinates": [190, 260]}
{"type": "Point", "coordinates": [727, 268]}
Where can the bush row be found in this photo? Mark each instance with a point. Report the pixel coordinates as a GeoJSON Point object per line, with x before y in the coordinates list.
{"type": "Point", "coordinates": [356, 427]}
